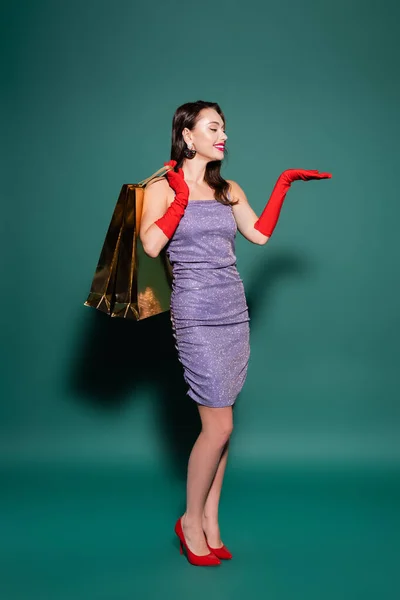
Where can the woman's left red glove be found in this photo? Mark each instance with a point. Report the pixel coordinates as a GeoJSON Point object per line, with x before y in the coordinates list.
{"type": "Point", "coordinates": [269, 217]}
{"type": "Point", "coordinates": [170, 220]}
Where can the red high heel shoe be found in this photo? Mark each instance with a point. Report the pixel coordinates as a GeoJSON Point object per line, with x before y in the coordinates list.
{"type": "Point", "coordinates": [222, 552]}
{"type": "Point", "coordinates": [208, 560]}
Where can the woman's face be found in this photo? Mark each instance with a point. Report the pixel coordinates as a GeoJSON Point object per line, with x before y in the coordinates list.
{"type": "Point", "coordinates": [208, 136]}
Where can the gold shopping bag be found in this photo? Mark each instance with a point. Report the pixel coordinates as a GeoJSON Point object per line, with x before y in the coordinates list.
{"type": "Point", "coordinates": [128, 283]}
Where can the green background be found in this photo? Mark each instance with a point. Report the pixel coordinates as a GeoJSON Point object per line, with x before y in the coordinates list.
{"type": "Point", "coordinates": [95, 426]}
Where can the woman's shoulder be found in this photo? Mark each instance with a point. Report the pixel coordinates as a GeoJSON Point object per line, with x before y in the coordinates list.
{"type": "Point", "coordinates": [161, 181]}
{"type": "Point", "coordinates": [156, 193]}
{"type": "Point", "coordinates": [236, 192]}
{"type": "Point", "coordinates": [234, 187]}
{"type": "Point", "coordinates": [159, 186]}
{"type": "Point", "coordinates": [233, 184]}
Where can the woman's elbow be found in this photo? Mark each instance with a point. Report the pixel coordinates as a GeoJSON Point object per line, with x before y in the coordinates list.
{"type": "Point", "coordinates": [149, 249]}
{"type": "Point", "coordinates": [153, 240]}
{"type": "Point", "coordinates": [151, 246]}
{"type": "Point", "coordinates": [150, 253]}
{"type": "Point", "coordinates": [263, 241]}
{"type": "Point", "coordinates": [257, 237]}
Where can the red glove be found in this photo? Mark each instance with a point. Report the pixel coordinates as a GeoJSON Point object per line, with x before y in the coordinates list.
{"type": "Point", "coordinates": [269, 217]}
{"type": "Point", "coordinates": [170, 220]}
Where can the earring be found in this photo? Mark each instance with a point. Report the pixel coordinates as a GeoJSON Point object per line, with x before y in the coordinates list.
{"type": "Point", "coordinates": [189, 152]}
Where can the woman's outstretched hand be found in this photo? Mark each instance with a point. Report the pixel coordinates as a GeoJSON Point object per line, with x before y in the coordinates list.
{"type": "Point", "coordinates": [305, 174]}
{"type": "Point", "coordinates": [269, 217]}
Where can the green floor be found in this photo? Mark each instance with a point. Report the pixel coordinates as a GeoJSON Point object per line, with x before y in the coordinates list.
{"type": "Point", "coordinates": [72, 533]}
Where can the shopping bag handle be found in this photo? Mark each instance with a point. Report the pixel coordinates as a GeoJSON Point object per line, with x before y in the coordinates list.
{"type": "Point", "coordinates": [156, 174]}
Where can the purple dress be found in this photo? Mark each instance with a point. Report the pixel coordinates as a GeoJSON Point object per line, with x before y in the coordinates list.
{"type": "Point", "coordinates": [209, 313]}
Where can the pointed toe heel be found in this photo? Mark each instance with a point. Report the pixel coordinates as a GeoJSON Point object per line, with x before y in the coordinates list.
{"type": "Point", "coordinates": [207, 560]}
{"type": "Point", "coordinates": [222, 552]}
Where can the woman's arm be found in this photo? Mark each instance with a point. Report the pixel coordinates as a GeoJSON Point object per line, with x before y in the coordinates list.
{"type": "Point", "coordinates": [245, 216]}
{"type": "Point", "coordinates": [263, 226]}
{"type": "Point", "coordinates": [157, 215]}
{"type": "Point", "coordinates": [155, 204]}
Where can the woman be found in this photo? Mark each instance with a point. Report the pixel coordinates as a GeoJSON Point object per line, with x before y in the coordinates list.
{"type": "Point", "coordinates": [195, 214]}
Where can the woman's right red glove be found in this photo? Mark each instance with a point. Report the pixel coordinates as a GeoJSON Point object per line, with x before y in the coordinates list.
{"type": "Point", "coordinates": [269, 217]}
{"type": "Point", "coordinates": [170, 220]}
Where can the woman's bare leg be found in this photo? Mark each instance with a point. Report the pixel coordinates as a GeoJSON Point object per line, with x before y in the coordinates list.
{"type": "Point", "coordinates": [210, 513]}
{"type": "Point", "coordinates": [217, 425]}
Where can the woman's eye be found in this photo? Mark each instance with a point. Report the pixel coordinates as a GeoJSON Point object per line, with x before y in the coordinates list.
{"type": "Point", "coordinates": [213, 129]}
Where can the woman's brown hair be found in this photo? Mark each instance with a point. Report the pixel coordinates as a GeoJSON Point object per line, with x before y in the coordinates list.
{"type": "Point", "coordinates": [187, 115]}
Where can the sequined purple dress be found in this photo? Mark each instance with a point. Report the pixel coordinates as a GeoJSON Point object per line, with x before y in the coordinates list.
{"type": "Point", "coordinates": [209, 313]}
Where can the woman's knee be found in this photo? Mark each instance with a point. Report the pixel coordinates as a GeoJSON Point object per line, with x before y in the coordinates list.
{"type": "Point", "coordinates": [226, 433]}
{"type": "Point", "coordinates": [217, 424]}
{"type": "Point", "coordinates": [218, 436]}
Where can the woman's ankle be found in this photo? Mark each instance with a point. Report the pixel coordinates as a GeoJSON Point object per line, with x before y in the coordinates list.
{"type": "Point", "coordinates": [191, 521]}
{"type": "Point", "coordinates": [210, 517]}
